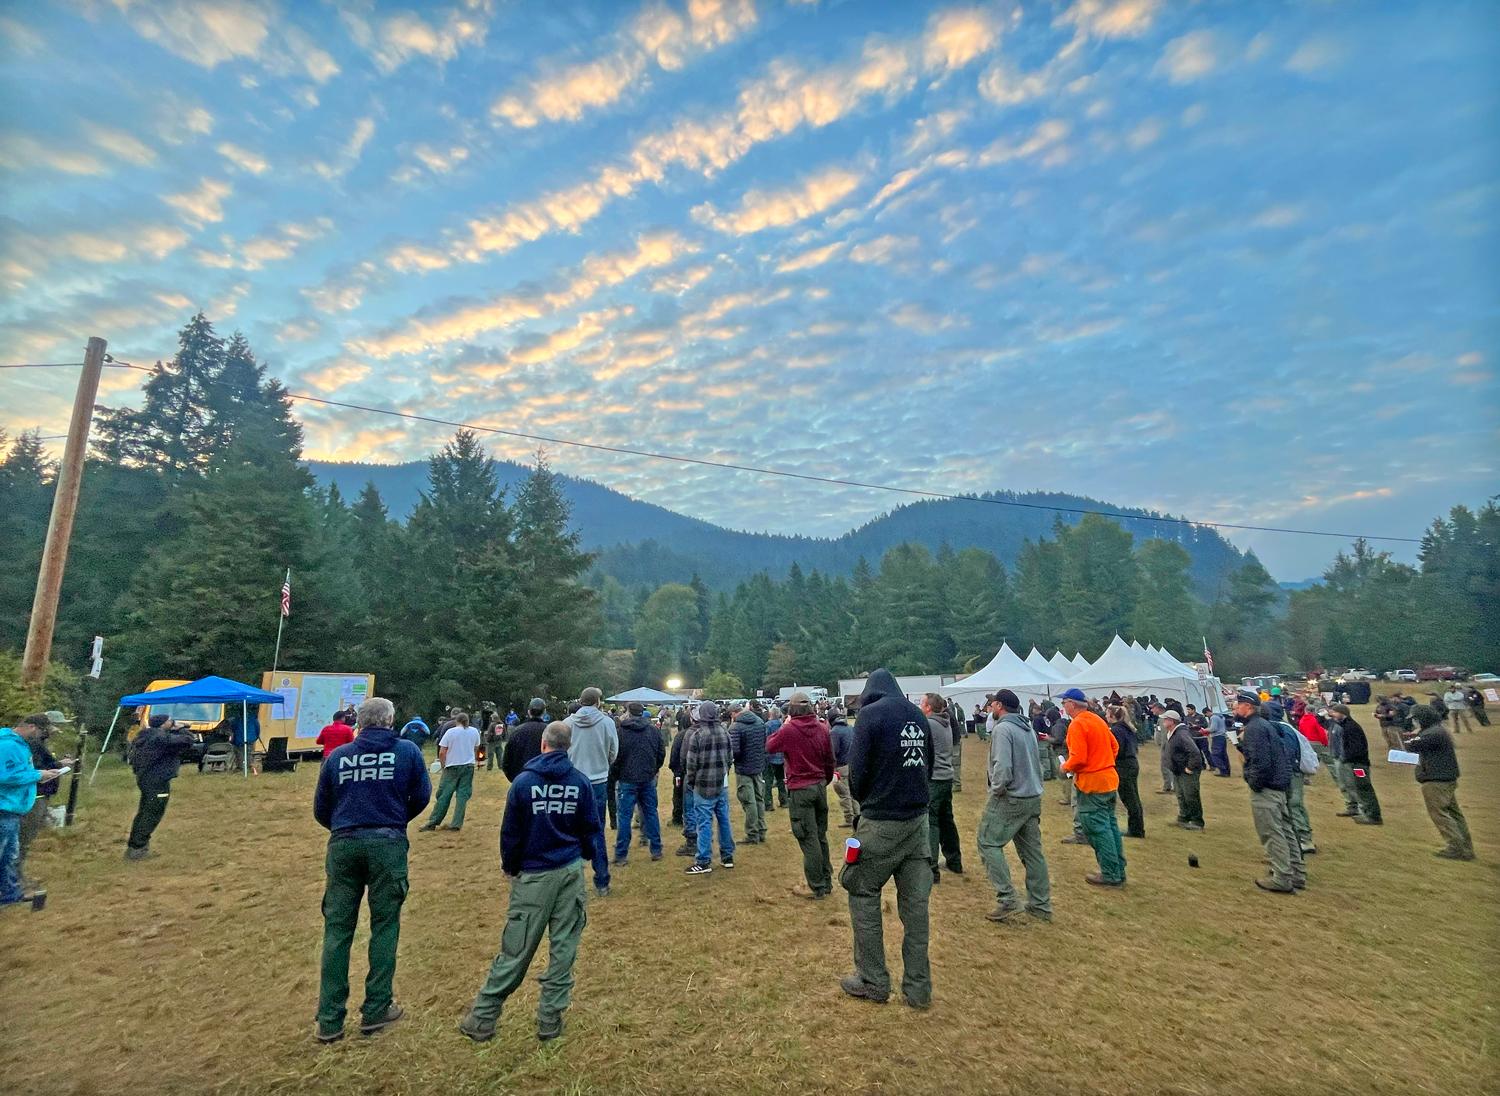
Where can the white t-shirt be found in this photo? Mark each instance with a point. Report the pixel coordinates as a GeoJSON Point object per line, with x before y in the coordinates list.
{"type": "Point", "coordinates": [462, 744]}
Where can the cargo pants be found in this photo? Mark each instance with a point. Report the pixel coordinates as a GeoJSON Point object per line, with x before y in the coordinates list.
{"type": "Point", "coordinates": [1273, 825]}
{"type": "Point", "coordinates": [891, 850]}
{"type": "Point", "coordinates": [1017, 820]}
{"type": "Point", "coordinates": [540, 901]}
{"type": "Point", "coordinates": [373, 867]}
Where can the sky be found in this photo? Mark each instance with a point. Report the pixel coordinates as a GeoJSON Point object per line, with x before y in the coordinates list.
{"type": "Point", "coordinates": [1233, 261]}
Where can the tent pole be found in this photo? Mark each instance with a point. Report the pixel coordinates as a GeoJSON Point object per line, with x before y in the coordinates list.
{"type": "Point", "coordinates": [245, 733]}
{"type": "Point", "coordinates": [105, 748]}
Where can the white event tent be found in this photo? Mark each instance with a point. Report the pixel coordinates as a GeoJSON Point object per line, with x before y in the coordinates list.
{"type": "Point", "coordinates": [1132, 670]}
{"type": "Point", "coordinates": [1005, 671]}
{"type": "Point", "coordinates": [1079, 663]}
{"type": "Point", "coordinates": [1063, 666]}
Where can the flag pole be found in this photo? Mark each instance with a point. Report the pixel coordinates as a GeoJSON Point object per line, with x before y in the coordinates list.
{"type": "Point", "coordinates": [280, 623]}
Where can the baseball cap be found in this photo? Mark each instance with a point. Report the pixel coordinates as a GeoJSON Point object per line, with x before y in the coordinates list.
{"type": "Point", "coordinates": [799, 698]}
{"type": "Point", "coordinates": [635, 707]}
{"type": "Point", "coordinates": [54, 716]}
{"type": "Point", "coordinates": [537, 705]}
{"type": "Point", "coordinates": [1247, 696]}
{"type": "Point", "coordinates": [1173, 716]}
{"type": "Point", "coordinates": [1008, 700]}
{"type": "Point", "coordinates": [1074, 694]}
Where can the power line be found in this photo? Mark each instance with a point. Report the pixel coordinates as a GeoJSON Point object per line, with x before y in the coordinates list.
{"type": "Point", "coordinates": [809, 477]}
{"type": "Point", "coordinates": [44, 365]}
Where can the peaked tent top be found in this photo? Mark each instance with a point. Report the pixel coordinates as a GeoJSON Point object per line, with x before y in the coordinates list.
{"type": "Point", "coordinates": [206, 690]}
{"type": "Point", "coordinates": [1004, 671]}
{"type": "Point", "coordinates": [643, 695]}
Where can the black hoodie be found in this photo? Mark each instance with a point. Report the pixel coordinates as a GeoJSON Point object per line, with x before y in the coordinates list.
{"type": "Point", "coordinates": [890, 758]}
{"type": "Point", "coordinates": [641, 751]}
{"type": "Point", "coordinates": [522, 744]}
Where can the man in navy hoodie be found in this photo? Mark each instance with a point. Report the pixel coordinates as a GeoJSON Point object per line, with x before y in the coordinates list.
{"type": "Point", "coordinates": [890, 765]}
{"type": "Point", "coordinates": [368, 790]}
{"type": "Point", "coordinates": [551, 827]}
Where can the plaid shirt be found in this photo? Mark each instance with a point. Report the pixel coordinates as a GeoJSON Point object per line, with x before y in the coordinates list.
{"type": "Point", "coordinates": [709, 753]}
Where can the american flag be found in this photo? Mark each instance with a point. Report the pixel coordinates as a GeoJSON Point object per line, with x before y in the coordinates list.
{"type": "Point", "coordinates": [1208, 656]}
{"type": "Point", "coordinates": [286, 596]}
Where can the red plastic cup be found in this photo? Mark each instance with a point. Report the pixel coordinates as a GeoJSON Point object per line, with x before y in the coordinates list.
{"type": "Point", "coordinates": [851, 850]}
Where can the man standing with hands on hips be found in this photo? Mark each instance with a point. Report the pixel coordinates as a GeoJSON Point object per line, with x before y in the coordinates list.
{"type": "Point", "coordinates": [890, 763]}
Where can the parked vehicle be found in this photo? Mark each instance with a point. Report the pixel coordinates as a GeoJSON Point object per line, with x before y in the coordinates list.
{"type": "Point", "coordinates": [1441, 673]}
{"type": "Point", "coordinates": [1355, 674]}
{"type": "Point", "coordinates": [1485, 679]}
{"type": "Point", "coordinates": [1401, 675]}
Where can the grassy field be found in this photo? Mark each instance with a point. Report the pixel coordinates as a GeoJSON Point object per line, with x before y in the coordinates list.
{"type": "Point", "coordinates": [197, 971]}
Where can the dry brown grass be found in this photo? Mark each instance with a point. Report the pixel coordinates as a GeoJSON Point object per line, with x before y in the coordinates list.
{"type": "Point", "coordinates": [197, 971]}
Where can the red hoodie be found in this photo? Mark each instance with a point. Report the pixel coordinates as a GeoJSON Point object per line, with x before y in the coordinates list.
{"type": "Point", "coordinates": [803, 740]}
{"type": "Point", "coordinates": [1312, 730]}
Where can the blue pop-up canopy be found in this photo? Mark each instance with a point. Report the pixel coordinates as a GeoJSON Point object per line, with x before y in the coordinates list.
{"type": "Point", "coordinates": [206, 690]}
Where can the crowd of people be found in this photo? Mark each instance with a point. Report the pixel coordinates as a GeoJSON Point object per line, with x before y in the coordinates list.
{"type": "Point", "coordinates": [894, 773]}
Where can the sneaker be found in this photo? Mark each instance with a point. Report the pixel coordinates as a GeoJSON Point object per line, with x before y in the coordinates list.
{"type": "Point", "coordinates": [1274, 888]}
{"type": "Point", "coordinates": [1309, 850]}
{"type": "Point", "coordinates": [802, 890]}
{"type": "Point", "coordinates": [1193, 826]}
{"type": "Point", "coordinates": [1074, 839]}
{"type": "Point", "coordinates": [477, 1030]}
{"type": "Point", "coordinates": [727, 865]}
{"type": "Point", "coordinates": [1347, 814]}
{"type": "Point", "coordinates": [1453, 854]}
{"type": "Point", "coordinates": [855, 986]}
{"type": "Point", "coordinates": [1365, 820]}
{"type": "Point", "coordinates": [656, 855]}
{"type": "Point", "coordinates": [138, 854]}
{"type": "Point", "coordinates": [698, 869]}
{"type": "Point", "coordinates": [602, 892]}
{"type": "Point", "coordinates": [618, 862]}
{"type": "Point", "coordinates": [428, 828]}
{"type": "Point", "coordinates": [1004, 915]}
{"type": "Point", "coordinates": [1098, 880]}
{"type": "Point", "coordinates": [375, 1027]}
{"type": "Point", "coordinates": [549, 1027]}
{"type": "Point", "coordinates": [330, 1034]}
{"type": "Point", "coordinates": [1040, 915]}
{"type": "Point", "coordinates": [452, 829]}
{"type": "Point", "coordinates": [912, 1002]}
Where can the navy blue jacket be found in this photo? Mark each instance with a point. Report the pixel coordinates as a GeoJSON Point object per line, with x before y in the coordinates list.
{"type": "Point", "coordinates": [1265, 760]}
{"type": "Point", "coordinates": [376, 782]}
{"type": "Point", "coordinates": [748, 736]}
{"type": "Point", "coordinates": [841, 735]}
{"type": "Point", "coordinates": [550, 818]}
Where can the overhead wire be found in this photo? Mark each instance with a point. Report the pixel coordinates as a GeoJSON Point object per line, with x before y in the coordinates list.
{"type": "Point", "coordinates": [808, 477]}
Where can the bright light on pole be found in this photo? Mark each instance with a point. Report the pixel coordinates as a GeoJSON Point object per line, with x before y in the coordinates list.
{"type": "Point", "coordinates": [674, 683]}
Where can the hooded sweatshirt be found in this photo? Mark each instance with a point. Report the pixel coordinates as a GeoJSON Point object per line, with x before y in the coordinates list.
{"type": "Point", "coordinates": [372, 786]}
{"type": "Point", "coordinates": [641, 751]}
{"type": "Point", "coordinates": [595, 743]}
{"type": "Point", "coordinates": [18, 777]}
{"type": "Point", "coordinates": [550, 817]}
{"type": "Point", "coordinates": [522, 744]}
{"type": "Point", "coordinates": [805, 742]}
{"type": "Point", "coordinates": [1015, 769]}
{"type": "Point", "coordinates": [157, 752]}
{"type": "Point", "coordinates": [942, 746]}
{"type": "Point", "coordinates": [747, 735]}
{"type": "Point", "coordinates": [890, 759]}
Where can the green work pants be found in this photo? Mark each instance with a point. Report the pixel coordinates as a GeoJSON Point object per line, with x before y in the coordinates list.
{"type": "Point", "coordinates": [1301, 823]}
{"type": "Point", "coordinates": [942, 831]}
{"type": "Point", "coordinates": [1273, 824]}
{"type": "Point", "coordinates": [1189, 797]}
{"type": "Point", "coordinates": [1441, 797]}
{"type": "Point", "coordinates": [751, 791]}
{"type": "Point", "coordinates": [540, 901]}
{"type": "Point", "coordinates": [1096, 817]}
{"type": "Point", "coordinates": [1364, 791]}
{"type": "Point", "coordinates": [841, 789]}
{"type": "Point", "coordinates": [1343, 776]}
{"type": "Point", "coordinates": [1018, 820]}
{"type": "Point", "coordinates": [891, 850]}
{"type": "Point", "coordinates": [456, 785]}
{"type": "Point", "coordinates": [809, 813]}
{"type": "Point", "coordinates": [358, 867]}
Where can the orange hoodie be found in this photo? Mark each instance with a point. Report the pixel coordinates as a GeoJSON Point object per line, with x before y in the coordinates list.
{"type": "Point", "coordinates": [1091, 754]}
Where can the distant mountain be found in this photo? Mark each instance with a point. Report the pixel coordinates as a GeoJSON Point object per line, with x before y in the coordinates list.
{"type": "Point", "coordinates": [640, 543]}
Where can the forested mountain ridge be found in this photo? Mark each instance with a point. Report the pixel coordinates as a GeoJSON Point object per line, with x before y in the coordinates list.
{"type": "Point", "coordinates": [642, 544]}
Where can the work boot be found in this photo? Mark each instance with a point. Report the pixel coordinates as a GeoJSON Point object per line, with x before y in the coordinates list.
{"type": "Point", "coordinates": [1365, 820]}
{"type": "Point", "coordinates": [688, 849]}
{"type": "Point", "coordinates": [330, 1034]}
{"type": "Point", "coordinates": [1274, 887]}
{"type": "Point", "coordinates": [1098, 880]}
{"type": "Point", "coordinates": [802, 890]}
{"type": "Point", "coordinates": [375, 1027]}
{"type": "Point", "coordinates": [1351, 813]}
{"type": "Point", "coordinates": [138, 854]}
{"type": "Point", "coordinates": [1004, 915]}
{"type": "Point", "coordinates": [549, 1026]}
{"type": "Point", "coordinates": [477, 1030]}
{"type": "Point", "coordinates": [1075, 839]}
{"type": "Point", "coordinates": [855, 986]}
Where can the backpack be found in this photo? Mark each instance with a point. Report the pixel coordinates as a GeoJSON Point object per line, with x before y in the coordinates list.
{"type": "Point", "coordinates": [1308, 762]}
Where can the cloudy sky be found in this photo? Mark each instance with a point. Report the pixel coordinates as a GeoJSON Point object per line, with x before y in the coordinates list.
{"type": "Point", "coordinates": [1234, 261]}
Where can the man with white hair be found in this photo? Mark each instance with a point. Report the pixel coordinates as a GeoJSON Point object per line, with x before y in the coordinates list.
{"type": "Point", "coordinates": [1181, 755]}
{"type": "Point", "coordinates": [368, 791]}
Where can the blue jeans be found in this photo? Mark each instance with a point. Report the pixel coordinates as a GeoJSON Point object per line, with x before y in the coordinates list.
{"type": "Point", "coordinates": [1218, 754]}
{"type": "Point", "coordinates": [710, 810]}
{"type": "Point", "coordinates": [689, 815]}
{"type": "Point", "coordinates": [601, 847]}
{"type": "Point", "coordinates": [643, 793]}
{"type": "Point", "coordinates": [10, 858]}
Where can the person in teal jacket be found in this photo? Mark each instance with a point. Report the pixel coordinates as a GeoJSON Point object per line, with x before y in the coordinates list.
{"type": "Point", "coordinates": [18, 781]}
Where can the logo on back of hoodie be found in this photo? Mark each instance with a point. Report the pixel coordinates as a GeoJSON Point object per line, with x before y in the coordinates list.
{"type": "Point", "coordinates": [913, 746]}
{"type": "Point", "coordinates": [554, 799]}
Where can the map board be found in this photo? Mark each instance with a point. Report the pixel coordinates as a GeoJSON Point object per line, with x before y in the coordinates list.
{"type": "Point", "coordinates": [308, 702]}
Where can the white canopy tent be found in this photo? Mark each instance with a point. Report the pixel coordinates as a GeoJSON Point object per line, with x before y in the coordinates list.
{"type": "Point", "coordinates": [1209, 695]}
{"type": "Point", "coordinates": [1131, 671]}
{"type": "Point", "coordinates": [1005, 671]}
{"type": "Point", "coordinates": [1080, 663]}
{"type": "Point", "coordinates": [1062, 665]}
{"type": "Point", "coordinates": [1037, 661]}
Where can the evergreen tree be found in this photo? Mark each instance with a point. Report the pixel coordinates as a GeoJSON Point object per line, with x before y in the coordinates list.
{"type": "Point", "coordinates": [978, 611]}
{"type": "Point", "coordinates": [1164, 611]}
{"type": "Point", "coordinates": [781, 667]}
{"type": "Point", "coordinates": [1038, 592]}
{"type": "Point", "coordinates": [1098, 584]}
{"type": "Point", "coordinates": [26, 485]}
{"type": "Point", "coordinates": [662, 633]}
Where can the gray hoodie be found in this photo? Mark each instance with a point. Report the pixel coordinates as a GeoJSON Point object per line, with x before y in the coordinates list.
{"type": "Point", "coordinates": [942, 746]}
{"type": "Point", "coordinates": [595, 743]}
{"type": "Point", "coordinates": [1015, 769]}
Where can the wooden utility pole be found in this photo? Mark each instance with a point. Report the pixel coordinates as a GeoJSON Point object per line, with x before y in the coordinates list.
{"type": "Point", "coordinates": [60, 528]}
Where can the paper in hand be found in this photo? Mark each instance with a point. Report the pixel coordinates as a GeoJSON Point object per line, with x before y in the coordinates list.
{"type": "Point", "coordinates": [1402, 757]}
